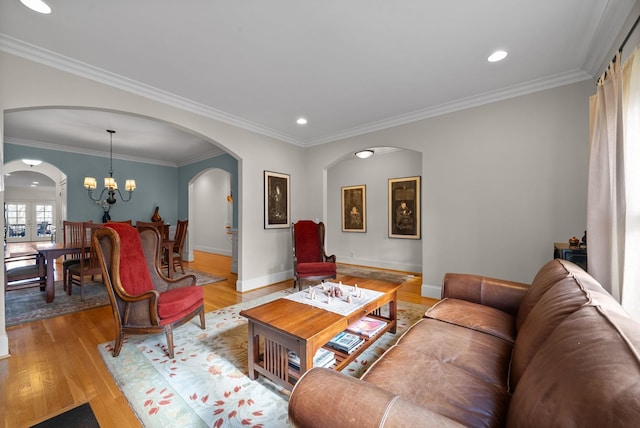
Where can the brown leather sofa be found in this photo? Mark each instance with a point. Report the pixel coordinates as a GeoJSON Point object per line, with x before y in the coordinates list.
{"type": "Point", "coordinates": [558, 353]}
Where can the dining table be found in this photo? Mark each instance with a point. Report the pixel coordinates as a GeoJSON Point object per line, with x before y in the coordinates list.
{"type": "Point", "coordinates": [51, 251]}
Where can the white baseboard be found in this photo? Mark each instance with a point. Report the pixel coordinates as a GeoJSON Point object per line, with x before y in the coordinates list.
{"type": "Point", "coordinates": [432, 291]}
{"type": "Point", "coordinates": [381, 264]}
{"type": "Point", "coordinates": [263, 281]}
{"type": "Point", "coordinates": [213, 250]}
{"type": "Point", "coordinates": [4, 345]}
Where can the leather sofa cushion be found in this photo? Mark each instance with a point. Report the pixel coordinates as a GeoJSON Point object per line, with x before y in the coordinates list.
{"type": "Point", "coordinates": [559, 300]}
{"type": "Point", "coordinates": [444, 389]}
{"type": "Point", "coordinates": [547, 277]}
{"type": "Point", "coordinates": [475, 317]}
{"type": "Point", "coordinates": [585, 374]}
{"type": "Point", "coordinates": [482, 355]}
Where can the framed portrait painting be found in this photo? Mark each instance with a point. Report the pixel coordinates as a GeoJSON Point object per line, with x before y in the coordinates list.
{"type": "Point", "coordinates": [276, 200]}
{"type": "Point", "coordinates": [354, 209]}
{"type": "Point", "coordinates": [404, 207]}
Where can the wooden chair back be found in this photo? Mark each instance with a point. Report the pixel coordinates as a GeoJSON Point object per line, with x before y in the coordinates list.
{"type": "Point", "coordinates": [129, 222]}
{"type": "Point", "coordinates": [180, 236]}
{"type": "Point", "coordinates": [162, 228]}
{"type": "Point", "coordinates": [72, 236]}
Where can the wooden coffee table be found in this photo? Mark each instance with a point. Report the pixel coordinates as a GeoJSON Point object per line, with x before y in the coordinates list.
{"type": "Point", "coordinates": [282, 325]}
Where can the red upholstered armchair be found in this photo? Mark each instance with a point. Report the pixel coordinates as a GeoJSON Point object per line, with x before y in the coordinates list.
{"type": "Point", "coordinates": [143, 300]}
{"type": "Point", "coordinates": [310, 260]}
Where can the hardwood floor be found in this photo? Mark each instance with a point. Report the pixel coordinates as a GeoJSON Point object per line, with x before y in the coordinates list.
{"type": "Point", "coordinates": [55, 365]}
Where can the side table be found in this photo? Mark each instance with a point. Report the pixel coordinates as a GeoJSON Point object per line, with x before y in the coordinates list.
{"type": "Point", "coordinates": [577, 255]}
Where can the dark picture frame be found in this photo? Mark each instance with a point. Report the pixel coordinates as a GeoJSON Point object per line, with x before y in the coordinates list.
{"type": "Point", "coordinates": [276, 200]}
{"type": "Point", "coordinates": [404, 207]}
{"type": "Point", "coordinates": [354, 208]}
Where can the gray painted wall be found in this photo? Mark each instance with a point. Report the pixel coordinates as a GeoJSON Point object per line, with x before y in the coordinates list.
{"type": "Point", "coordinates": [374, 247]}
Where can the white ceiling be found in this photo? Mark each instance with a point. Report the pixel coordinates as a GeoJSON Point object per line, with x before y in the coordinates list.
{"type": "Point", "coordinates": [349, 66]}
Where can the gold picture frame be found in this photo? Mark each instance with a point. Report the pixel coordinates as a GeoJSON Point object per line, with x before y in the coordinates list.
{"type": "Point", "coordinates": [354, 208]}
{"type": "Point", "coordinates": [404, 207]}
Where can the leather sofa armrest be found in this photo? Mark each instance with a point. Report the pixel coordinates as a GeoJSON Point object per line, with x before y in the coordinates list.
{"type": "Point", "coordinates": [326, 398]}
{"type": "Point", "coordinates": [497, 293]}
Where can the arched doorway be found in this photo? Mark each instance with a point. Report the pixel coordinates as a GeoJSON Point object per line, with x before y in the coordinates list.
{"type": "Point", "coordinates": [210, 213]}
{"type": "Point", "coordinates": [35, 201]}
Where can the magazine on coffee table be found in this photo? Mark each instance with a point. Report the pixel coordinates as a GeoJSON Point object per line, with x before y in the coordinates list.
{"type": "Point", "coordinates": [345, 342]}
{"type": "Point", "coordinates": [323, 358]}
{"type": "Point", "coordinates": [367, 326]}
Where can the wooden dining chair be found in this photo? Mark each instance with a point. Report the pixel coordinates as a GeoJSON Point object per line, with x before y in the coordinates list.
{"type": "Point", "coordinates": [72, 236]}
{"type": "Point", "coordinates": [143, 300]}
{"type": "Point", "coordinates": [179, 240]}
{"type": "Point", "coordinates": [88, 266]}
{"type": "Point", "coordinates": [159, 225]}
{"type": "Point", "coordinates": [24, 271]}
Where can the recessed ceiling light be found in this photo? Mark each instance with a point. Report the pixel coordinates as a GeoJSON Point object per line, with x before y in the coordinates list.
{"type": "Point", "coordinates": [301, 121]}
{"type": "Point", "coordinates": [37, 5]}
{"type": "Point", "coordinates": [35, 182]}
{"type": "Point", "coordinates": [31, 162]}
{"type": "Point", "coordinates": [363, 154]}
{"type": "Point", "coordinates": [497, 56]}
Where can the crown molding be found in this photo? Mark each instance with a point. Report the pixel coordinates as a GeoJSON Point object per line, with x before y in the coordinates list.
{"type": "Point", "coordinates": [52, 59]}
{"type": "Point", "coordinates": [608, 36]}
{"type": "Point", "coordinates": [532, 86]}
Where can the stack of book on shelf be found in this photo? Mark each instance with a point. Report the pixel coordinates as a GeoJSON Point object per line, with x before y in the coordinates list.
{"type": "Point", "coordinates": [345, 342]}
{"type": "Point", "coordinates": [367, 326]}
{"type": "Point", "coordinates": [323, 358]}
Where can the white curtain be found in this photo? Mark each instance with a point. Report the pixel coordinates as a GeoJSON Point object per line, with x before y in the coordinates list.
{"type": "Point", "coordinates": [613, 207]}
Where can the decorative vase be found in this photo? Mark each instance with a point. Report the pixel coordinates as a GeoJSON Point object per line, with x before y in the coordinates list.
{"type": "Point", "coordinates": [156, 215]}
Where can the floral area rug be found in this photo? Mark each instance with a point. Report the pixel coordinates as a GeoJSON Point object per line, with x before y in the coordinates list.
{"type": "Point", "coordinates": [29, 304]}
{"type": "Point", "coordinates": [207, 383]}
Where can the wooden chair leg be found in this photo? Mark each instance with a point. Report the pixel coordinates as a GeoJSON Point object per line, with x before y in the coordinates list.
{"type": "Point", "coordinates": [202, 325]}
{"type": "Point", "coordinates": [169, 332]}
{"type": "Point", "coordinates": [118, 345]}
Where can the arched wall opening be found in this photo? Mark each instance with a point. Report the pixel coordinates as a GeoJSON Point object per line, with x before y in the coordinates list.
{"type": "Point", "coordinates": [372, 247]}
{"type": "Point", "coordinates": [210, 213]}
{"type": "Point", "coordinates": [57, 176]}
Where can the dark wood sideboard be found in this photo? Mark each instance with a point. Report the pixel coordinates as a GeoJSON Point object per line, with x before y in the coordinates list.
{"type": "Point", "coordinates": [577, 255]}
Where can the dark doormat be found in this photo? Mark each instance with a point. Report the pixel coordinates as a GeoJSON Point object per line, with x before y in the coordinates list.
{"type": "Point", "coordinates": [78, 417]}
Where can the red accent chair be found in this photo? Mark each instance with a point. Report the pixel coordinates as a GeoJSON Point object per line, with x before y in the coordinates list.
{"type": "Point", "coordinates": [143, 300]}
{"type": "Point", "coordinates": [310, 260]}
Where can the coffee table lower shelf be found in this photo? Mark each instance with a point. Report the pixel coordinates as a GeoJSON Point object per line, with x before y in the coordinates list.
{"type": "Point", "coordinates": [273, 361]}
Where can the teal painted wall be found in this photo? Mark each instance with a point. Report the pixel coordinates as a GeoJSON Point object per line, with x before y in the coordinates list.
{"type": "Point", "coordinates": [157, 185]}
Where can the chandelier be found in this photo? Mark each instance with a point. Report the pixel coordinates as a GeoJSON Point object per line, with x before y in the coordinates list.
{"type": "Point", "coordinates": [110, 184]}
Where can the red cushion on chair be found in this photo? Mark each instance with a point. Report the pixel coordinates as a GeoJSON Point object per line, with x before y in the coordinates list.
{"type": "Point", "coordinates": [307, 242]}
{"type": "Point", "coordinates": [316, 269]}
{"type": "Point", "coordinates": [134, 274]}
{"type": "Point", "coordinates": [174, 303]}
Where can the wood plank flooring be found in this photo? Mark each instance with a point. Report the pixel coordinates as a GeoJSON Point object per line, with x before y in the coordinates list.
{"type": "Point", "coordinates": [55, 365]}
